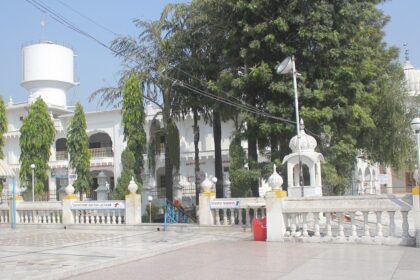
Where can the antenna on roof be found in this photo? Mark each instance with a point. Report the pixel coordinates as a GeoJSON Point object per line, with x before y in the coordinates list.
{"type": "Point", "coordinates": [406, 53]}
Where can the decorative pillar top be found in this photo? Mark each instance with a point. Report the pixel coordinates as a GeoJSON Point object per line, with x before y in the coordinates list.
{"type": "Point", "coordinates": [275, 181]}
{"type": "Point", "coordinates": [132, 187]}
{"type": "Point", "coordinates": [206, 185]}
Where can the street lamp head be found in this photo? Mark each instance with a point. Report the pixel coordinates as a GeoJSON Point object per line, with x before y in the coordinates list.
{"type": "Point", "coordinates": [415, 125]}
{"type": "Point", "coordinates": [33, 166]}
{"type": "Point", "coordinates": [285, 67]}
{"type": "Point", "coordinates": [150, 198]}
{"type": "Point", "coordinates": [214, 179]}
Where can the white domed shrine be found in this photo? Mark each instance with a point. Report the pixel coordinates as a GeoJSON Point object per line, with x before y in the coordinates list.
{"type": "Point", "coordinates": [303, 165]}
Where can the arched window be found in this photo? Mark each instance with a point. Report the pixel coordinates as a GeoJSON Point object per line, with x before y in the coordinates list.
{"type": "Point", "coordinates": [100, 145]}
{"type": "Point", "coordinates": [61, 149]}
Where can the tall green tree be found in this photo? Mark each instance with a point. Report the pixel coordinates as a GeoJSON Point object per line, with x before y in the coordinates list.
{"type": "Point", "coordinates": [3, 129]}
{"type": "Point", "coordinates": [78, 146]}
{"type": "Point", "coordinates": [133, 118]}
{"type": "Point", "coordinates": [37, 134]}
{"type": "Point", "coordinates": [346, 70]}
{"type": "Point", "coordinates": [3, 125]}
{"type": "Point", "coordinates": [149, 55]}
{"type": "Point", "coordinates": [128, 166]}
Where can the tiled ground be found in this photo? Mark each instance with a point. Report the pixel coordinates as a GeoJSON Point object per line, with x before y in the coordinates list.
{"type": "Point", "coordinates": [54, 254]}
{"type": "Point", "coordinates": [107, 254]}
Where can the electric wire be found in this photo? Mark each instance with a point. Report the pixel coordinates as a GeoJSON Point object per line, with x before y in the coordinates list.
{"type": "Point", "coordinates": [88, 18]}
{"type": "Point", "coordinates": [38, 4]}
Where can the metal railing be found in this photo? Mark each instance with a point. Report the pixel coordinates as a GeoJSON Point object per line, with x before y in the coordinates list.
{"type": "Point", "coordinates": [101, 152]}
{"type": "Point", "coordinates": [61, 155]}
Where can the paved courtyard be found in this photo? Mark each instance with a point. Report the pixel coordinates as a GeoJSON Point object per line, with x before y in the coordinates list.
{"type": "Point", "coordinates": [149, 254]}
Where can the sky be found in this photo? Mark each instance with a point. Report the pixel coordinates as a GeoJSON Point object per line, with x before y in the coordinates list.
{"type": "Point", "coordinates": [96, 67]}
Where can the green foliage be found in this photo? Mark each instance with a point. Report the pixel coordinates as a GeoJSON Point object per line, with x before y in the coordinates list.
{"type": "Point", "coordinates": [350, 83]}
{"type": "Point", "coordinates": [242, 179]}
{"type": "Point", "coordinates": [154, 144]}
{"type": "Point", "coordinates": [173, 144]}
{"type": "Point", "coordinates": [133, 117]}
{"type": "Point", "coordinates": [37, 136]}
{"type": "Point", "coordinates": [78, 146]}
{"type": "Point", "coordinates": [128, 166]}
{"type": "Point", "coordinates": [3, 125]}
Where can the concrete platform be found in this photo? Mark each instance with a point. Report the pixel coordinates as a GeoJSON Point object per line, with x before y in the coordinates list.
{"type": "Point", "coordinates": [29, 253]}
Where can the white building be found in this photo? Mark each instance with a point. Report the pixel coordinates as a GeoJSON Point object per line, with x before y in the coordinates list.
{"type": "Point", "coordinates": [48, 73]}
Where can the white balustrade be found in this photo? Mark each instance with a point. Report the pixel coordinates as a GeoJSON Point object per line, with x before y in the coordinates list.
{"type": "Point", "coordinates": [99, 216]}
{"type": "Point", "coordinates": [242, 214]}
{"type": "Point", "coordinates": [4, 214]}
{"type": "Point", "coordinates": [39, 213]}
{"type": "Point", "coordinates": [347, 219]}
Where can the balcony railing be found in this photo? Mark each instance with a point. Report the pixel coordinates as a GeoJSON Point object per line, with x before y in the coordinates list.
{"type": "Point", "coordinates": [61, 155]}
{"type": "Point", "coordinates": [102, 152]}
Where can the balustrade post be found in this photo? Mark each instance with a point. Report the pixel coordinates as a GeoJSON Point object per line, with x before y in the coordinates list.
{"type": "Point", "coordinates": [68, 199]}
{"type": "Point", "coordinates": [391, 229]}
{"type": "Point", "coordinates": [240, 216]}
{"type": "Point", "coordinates": [276, 227]}
{"type": "Point", "coordinates": [218, 217]}
{"type": "Point", "coordinates": [132, 205]}
{"type": "Point", "coordinates": [316, 220]}
{"type": "Point", "coordinates": [248, 216]}
{"type": "Point", "coordinates": [353, 225]}
{"type": "Point", "coordinates": [366, 223]}
{"type": "Point", "coordinates": [225, 217]}
{"type": "Point", "coordinates": [405, 225]}
{"type": "Point", "coordinates": [379, 232]}
{"type": "Point", "coordinates": [305, 225]}
{"type": "Point", "coordinates": [329, 231]}
{"type": "Point", "coordinates": [341, 235]}
{"type": "Point", "coordinates": [205, 215]}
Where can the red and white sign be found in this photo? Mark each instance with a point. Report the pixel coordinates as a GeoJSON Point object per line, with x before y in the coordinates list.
{"type": "Point", "coordinates": [98, 205]}
{"type": "Point", "coordinates": [218, 203]}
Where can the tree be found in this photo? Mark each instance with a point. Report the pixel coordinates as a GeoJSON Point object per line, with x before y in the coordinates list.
{"type": "Point", "coordinates": [133, 118]}
{"type": "Point", "coordinates": [3, 125]}
{"type": "Point", "coordinates": [3, 129]}
{"type": "Point", "coordinates": [346, 70]}
{"type": "Point", "coordinates": [78, 146]}
{"type": "Point", "coordinates": [128, 166]}
{"type": "Point", "coordinates": [148, 55]}
{"type": "Point", "coordinates": [37, 134]}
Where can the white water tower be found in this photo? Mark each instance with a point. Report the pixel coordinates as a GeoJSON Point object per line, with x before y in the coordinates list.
{"type": "Point", "coordinates": [48, 72]}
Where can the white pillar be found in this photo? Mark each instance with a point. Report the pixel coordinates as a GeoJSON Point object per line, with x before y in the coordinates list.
{"type": "Point", "coordinates": [133, 209]}
{"type": "Point", "coordinates": [205, 215]}
{"type": "Point", "coordinates": [276, 227]}
{"type": "Point", "coordinates": [68, 217]}
{"type": "Point", "coordinates": [416, 213]}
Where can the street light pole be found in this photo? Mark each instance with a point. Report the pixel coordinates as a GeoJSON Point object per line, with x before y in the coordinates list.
{"type": "Point", "coordinates": [33, 182]}
{"type": "Point", "coordinates": [150, 198]}
{"type": "Point", "coordinates": [287, 66]}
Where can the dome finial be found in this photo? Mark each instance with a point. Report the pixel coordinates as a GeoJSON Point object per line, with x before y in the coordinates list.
{"type": "Point", "coordinates": [406, 52]}
{"type": "Point", "coordinates": [302, 125]}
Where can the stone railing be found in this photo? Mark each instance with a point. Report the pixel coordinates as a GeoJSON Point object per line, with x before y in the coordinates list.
{"type": "Point", "coordinates": [101, 152]}
{"type": "Point", "coordinates": [39, 213]}
{"type": "Point", "coordinates": [236, 211]}
{"type": "Point", "coordinates": [98, 212]}
{"type": "Point", "coordinates": [61, 155]}
{"type": "Point", "coordinates": [359, 219]}
{"type": "Point", "coordinates": [4, 214]}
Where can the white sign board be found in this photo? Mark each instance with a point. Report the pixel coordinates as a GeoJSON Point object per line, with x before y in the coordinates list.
{"type": "Point", "coordinates": [97, 205]}
{"type": "Point", "coordinates": [231, 203]}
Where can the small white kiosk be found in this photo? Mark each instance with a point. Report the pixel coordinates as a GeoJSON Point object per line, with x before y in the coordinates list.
{"type": "Point", "coordinates": [304, 155]}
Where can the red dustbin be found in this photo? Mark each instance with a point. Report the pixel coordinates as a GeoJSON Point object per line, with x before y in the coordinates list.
{"type": "Point", "coordinates": [259, 227]}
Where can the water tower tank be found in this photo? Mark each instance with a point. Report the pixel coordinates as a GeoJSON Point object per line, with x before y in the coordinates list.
{"type": "Point", "coordinates": [48, 72]}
